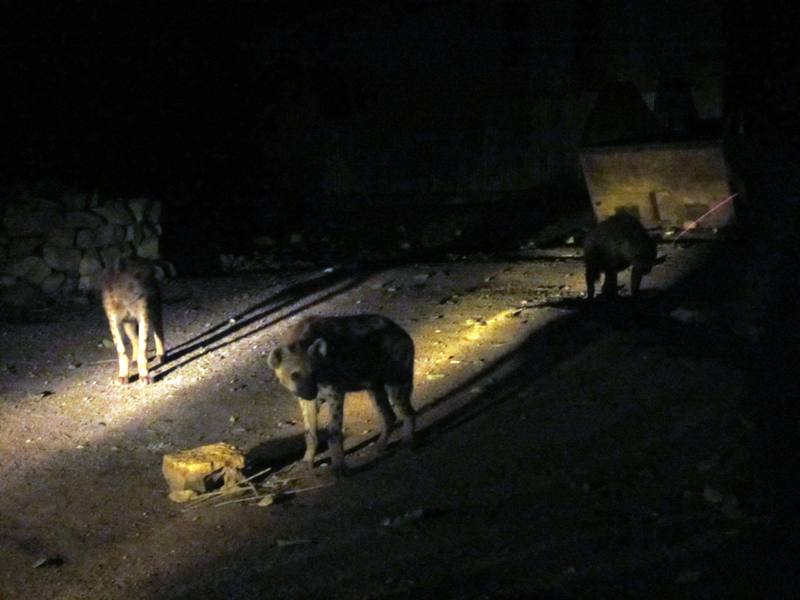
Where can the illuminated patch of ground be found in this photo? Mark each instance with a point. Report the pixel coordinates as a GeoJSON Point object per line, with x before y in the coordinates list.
{"type": "Point", "coordinates": [81, 457]}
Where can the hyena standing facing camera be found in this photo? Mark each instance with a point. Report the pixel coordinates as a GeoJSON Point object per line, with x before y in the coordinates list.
{"type": "Point", "coordinates": [323, 358]}
{"type": "Point", "coordinates": [132, 299]}
{"type": "Point", "coordinates": [615, 244]}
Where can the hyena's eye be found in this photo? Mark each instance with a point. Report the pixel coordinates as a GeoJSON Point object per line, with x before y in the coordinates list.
{"type": "Point", "coordinates": [295, 375]}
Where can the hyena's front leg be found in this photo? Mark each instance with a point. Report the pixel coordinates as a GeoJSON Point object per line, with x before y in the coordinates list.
{"type": "Point", "coordinates": [610, 283]}
{"type": "Point", "coordinates": [335, 437]}
{"type": "Point", "coordinates": [400, 399]}
{"type": "Point", "coordinates": [141, 352]}
{"type": "Point", "coordinates": [119, 344]}
{"type": "Point", "coordinates": [309, 410]}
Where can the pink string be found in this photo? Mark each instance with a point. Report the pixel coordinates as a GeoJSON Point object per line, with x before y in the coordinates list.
{"type": "Point", "coordinates": [704, 215]}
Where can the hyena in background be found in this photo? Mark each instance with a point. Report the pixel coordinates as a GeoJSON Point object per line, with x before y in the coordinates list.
{"type": "Point", "coordinates": [132, 299]}
{"type": "Point", "coordinates": [614, 245]}
{"type": "Point", "coordinates": [323, 358]}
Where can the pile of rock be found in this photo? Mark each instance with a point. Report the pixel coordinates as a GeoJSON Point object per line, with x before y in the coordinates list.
{"type": "Point", "coordinates": [61, 244]}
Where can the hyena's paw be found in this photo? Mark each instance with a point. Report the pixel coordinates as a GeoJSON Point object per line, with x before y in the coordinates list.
{"type": "Point", "coordinates": [410, 434]}
{"type": "Point", "coordinates": [302, 466]}
{"type": "Point", "coordinates": [147, 379]}
{"type": "Point", "coordinates": [338, 472]}
{"type": "Point", "coordinates": [122, 380]}
{"type": "Point", "coordinates": [382, 444]}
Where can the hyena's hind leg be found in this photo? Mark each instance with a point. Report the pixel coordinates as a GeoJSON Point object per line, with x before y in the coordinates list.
{"type": "Point", "coordinates": [380, 398]}
{"type": "Point", "coordinates": [400, 399]}
{"type": "Point", "coordinates": [123, 373]}
{"type": "Point", "coordinates": [143, 318]}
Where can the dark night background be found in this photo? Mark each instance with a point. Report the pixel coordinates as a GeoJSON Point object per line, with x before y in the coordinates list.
{"type": "Point", "coordinates": [355, 123]}
{"type": "Point", "coordinates": [261, 117]}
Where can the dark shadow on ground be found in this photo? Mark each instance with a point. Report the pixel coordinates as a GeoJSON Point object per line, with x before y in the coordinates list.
{"type": "Point", "coordinates": [772, 363]}
{"type": "Point", "coordinates": [275, 454]}
{"type": "Point", "coordinates": [322, 288]}
{"type": "Point", "coordinates": [293, 292]}
{"type": "Point", "coordinates": [243, 571]}
{"type": "Point", "coordinates": [341, 228]}
{"type": "Point", "coordinates": [297, 296]}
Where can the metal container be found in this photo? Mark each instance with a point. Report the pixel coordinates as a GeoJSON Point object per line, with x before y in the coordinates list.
{"type": "Point", "coordinates": [666, 185]}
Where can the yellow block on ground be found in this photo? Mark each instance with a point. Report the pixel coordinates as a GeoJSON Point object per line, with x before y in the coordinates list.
{"type": "Point", "coordinates": [187, 469]}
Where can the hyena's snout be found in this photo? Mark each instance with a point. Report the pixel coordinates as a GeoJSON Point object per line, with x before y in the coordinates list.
{"type": "Point", "coordinates": [293, 373]}
{"type": "Point", "coordinates": [305, 387]}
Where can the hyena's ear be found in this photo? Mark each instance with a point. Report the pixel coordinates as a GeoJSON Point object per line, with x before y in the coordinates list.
{"type": "Point", "coordinates": [274, 359]}
{"type": "Point", "coordinates": [319, 349]}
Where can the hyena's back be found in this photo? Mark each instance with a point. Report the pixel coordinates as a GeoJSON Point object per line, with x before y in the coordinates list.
{"type": "Point", "coordinates": [617, 243]}
{"type": "Point", "coordinates": [361, 349]}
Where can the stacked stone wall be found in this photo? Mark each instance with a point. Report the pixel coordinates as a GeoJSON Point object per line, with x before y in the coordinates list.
{"type": "Point", "coordinates": [62, 243]}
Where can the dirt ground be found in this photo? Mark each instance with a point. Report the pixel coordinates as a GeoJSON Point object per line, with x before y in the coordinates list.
{"type": "Point", "coordinates": [566, 450]}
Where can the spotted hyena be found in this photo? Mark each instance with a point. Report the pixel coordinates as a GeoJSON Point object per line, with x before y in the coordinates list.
{"type": "Point", "coordinates": [614, 245]}
{"type": "Point", "coordinates": [323, 358]}
{"type": "Point", "coordinates": [132, 299]}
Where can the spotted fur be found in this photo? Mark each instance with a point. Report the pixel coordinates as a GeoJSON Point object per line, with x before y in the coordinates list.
{"type": "Point", "coordinates": [324, 358]}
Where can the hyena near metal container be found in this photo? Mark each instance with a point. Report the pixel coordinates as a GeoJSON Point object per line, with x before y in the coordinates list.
{"type": "Point", "coordinates": [324, 358]}
{"type": "Point", "coordinates": [132, 300]}
{"type": "Point", "coordinates": [615, 244]}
